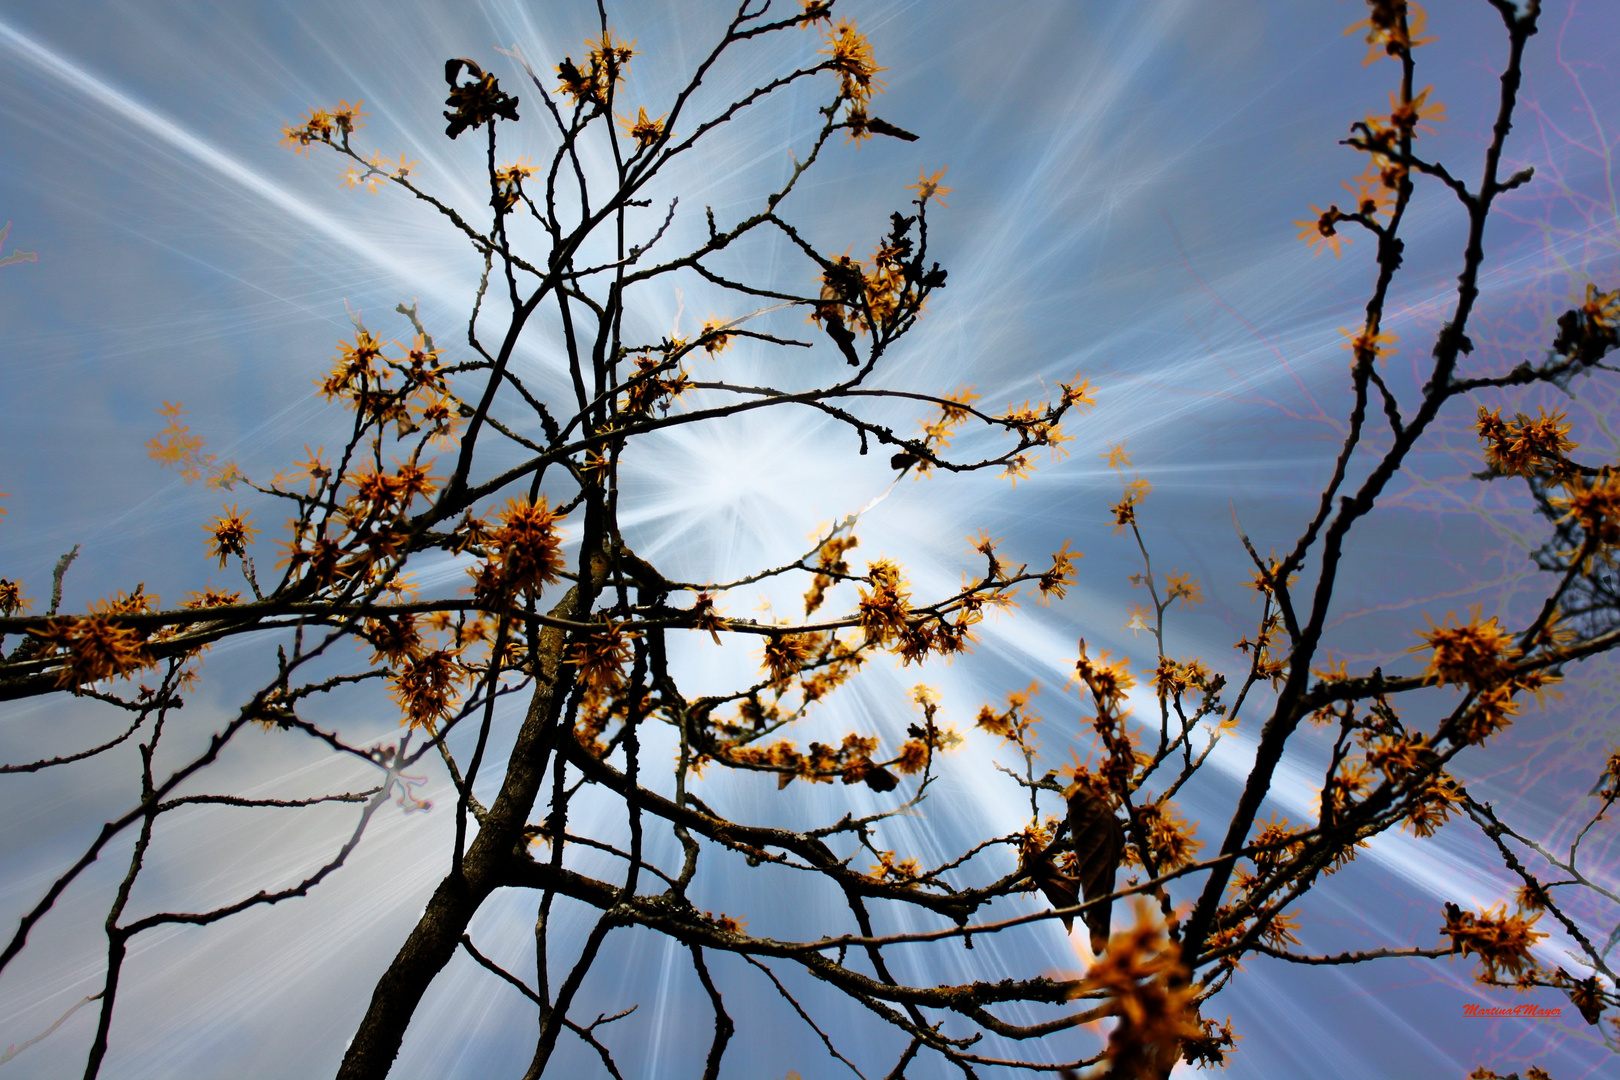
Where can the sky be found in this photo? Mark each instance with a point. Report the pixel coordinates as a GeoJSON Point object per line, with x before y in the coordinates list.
{"type": "Point", "coordinates": [1126, 178]}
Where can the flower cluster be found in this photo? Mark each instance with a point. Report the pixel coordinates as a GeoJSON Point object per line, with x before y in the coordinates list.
{"type": "Point", "coordinates": [521, 552]}
{"type": "Point", "coordinates": [880, 296]}
{"type": "Point", "coordinates": [425, 685]}
{"type": "Point", "coordinates": [1151, 993]}
{"type": "Point", "coordinates": [376, 172]}
{"type": "Point", "coordinates": [1524, 446]}
{"type": "Point", "coordinates": [654, 385]}
{"type": "Point", "coordinates": [1393, 28]}
{"type": "Point", "coordinates": [99, 645]}
{"type": "Point", "coordinates": [1172, 839]}
{"type": "Point", "coordinates": [1015, 722]}
{"type": "Point", "coordinates": [1475, 653]}
{"type": "Point", "coordinates": [607, 61]}
{"type": "Point", "coordinates": [507, 186]}
{"type": "Point", "coordinates": [320, 125]}
{"type": "Point", "coordinates": [850, 55]}
{"type": "Point", "coordinates": [830, 567]}
{"type": "Point", "coordinates": [1502, 941]}
{"type": "Point", "coordinates": [476, 102]}
{"type": "Point", "coordinates": [362, 377]}
{"type": "Point", "coordinates": [229, 534]}
{"type": "Point", "coordinates": [1594, 505]}
{"type": "Point", "coordinates": [1587, 332]}
{"type": "Point", "coordinates": [178, 448]}
{"type": "Point", "coordinates": [899, 871]}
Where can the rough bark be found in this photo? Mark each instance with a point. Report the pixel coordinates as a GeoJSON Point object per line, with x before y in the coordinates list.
{"type": "Point", "coordinates": [484, 868]}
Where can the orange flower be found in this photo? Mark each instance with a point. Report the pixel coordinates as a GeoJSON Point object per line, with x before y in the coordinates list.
{"type": "Point", "coordinates": [378, 171]}
{"type": "Point", "coordinates": [601, 658]}
{"type": "Point", "coordinates": [1142, 976]}
{"type": "Point", "coordinates": [787, 654]}
{"type": "Point", "coordinates": [230, 534]}
{"type": "Point", "coordinates": [1107, 681]}
{"type": "Point", "coordinates": [12, 600]}
{"type": "Point", "coordinates": [424, 686]}
{"type": "Point", "coordinates": [1183, 587]}
{"type": "Point", "coordinates": [524, 552]}
{"type": "Point", "coordinates": [96, 647]}
{"type": "Point", "coordinates": [929, 187]}
{"type": "Point", "coordinates": [1056, 581]}
{"type": "Point", "coordinates": [1409, 117]}
{"type": "Point", "coordinates": [1370, 201]}
{"type": "Point", "coordinates": [1594, 506]}
{"type": "Point", "coordinates": [609, 55]}
{"type": "Point", "coordinates": [1393, 28]}
{"type": "Point", "coordinates": [715, 336]}
{"type": "Point", "coordinates": [1522, 446]}
{"type": "Point", "coordinates": [1501, 941]}
{"type": "Point", "coordinates": [1368, 345]}
{"type": "Point", "coordinates": [852, 58]}
{"type": "Point", "coordinates": [211, 597]}
{"type": "Point", "coordinates": [814, 11]}
{"type": "Point", "coordinates": [883, 609]}
{"type": "Point", "coordinates": [1602, 309]}
{"type": "Point", "coordinates": [320, 124]}
{"type": "Point", "coordinates": [1321, 231]}
{"type": "Point", "coordinates": [1475, 653]}
{"type": "Point", "coordinates": [644, 129]}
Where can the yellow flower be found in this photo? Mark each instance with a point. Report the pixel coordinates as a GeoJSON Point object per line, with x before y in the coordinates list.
{"type": "Point", "coordinates": [378, 171]}
{"type": "Point", "coordinates": [1475, 653]}
{"type": "Point", "coordinates": [610, 55]}
{"type": "Point", "coordinates": [1501, 941]}
{"type": "Point", "coordinates": [1602, 309]}
{"type": "Point", "coordinates": [1368, 345]}
{"type": "Point", "coordinates": [1321, 230]}
{"type": "Point", "coordinates": [524, 553]}
{"type": "Point", "coordinates": [929, 187]}
{"type": "Point", "coordinates": [1594, 506]}
{"type": "Point", "coordinates": [1179, 586]}
{"type": "Point", "coordinates": [1018, 468]}
{"type": "Point", "coordinates": [1408, 117]}
{"type": "Point", "coordinates": [644, 129]}
{"type": "Point", "coordinates": [12, 601]}
{"type": "Point", "coordinates": [852, 58]}
{"type": "Point", "coordinates": [1393, 29]}
{"type": "Point", "coordinates": [230, 534]}
{"type": "Point", "coordinates": [1522, 446]}
{"type": "Point", "coordinates": [1078, 393]}
{"type": "Point", "coordinates": [814, 11]}
{"type": "Point", "coordinates": [425, 687]}
{"type": "Point", "coordinates": [714, 335]}
{"type": "Point", "coordinates": [1370, 201]}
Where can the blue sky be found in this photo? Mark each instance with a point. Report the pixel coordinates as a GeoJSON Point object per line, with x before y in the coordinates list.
{"type": "Point", "coordinates": [1125, 177]}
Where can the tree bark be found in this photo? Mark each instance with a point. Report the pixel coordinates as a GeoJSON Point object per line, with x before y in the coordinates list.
{"type": "Point", "coordinates": [433, 941]}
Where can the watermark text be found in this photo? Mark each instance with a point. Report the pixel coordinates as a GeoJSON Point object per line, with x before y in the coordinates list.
{"type": "Point", "coordinates": [1527, 1009]}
